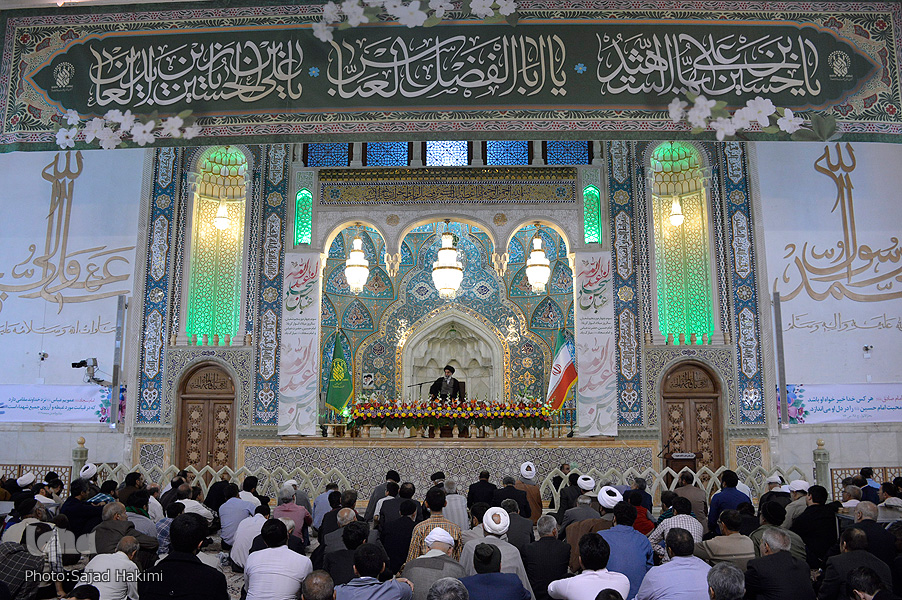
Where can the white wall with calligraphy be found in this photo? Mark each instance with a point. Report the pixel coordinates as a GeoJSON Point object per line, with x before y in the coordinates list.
{"type": "Point", "coordinates": [67, 248]}
{"type": "Point", "coordinates": [832, 218]}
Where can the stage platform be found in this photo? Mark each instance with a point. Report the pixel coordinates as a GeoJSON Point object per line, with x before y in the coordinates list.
{"type": "Point", "coordinates": [364, 460]}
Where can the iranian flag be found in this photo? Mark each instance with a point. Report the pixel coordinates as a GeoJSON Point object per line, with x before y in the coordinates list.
{"type": "Point", "coordinates": [563, 372]}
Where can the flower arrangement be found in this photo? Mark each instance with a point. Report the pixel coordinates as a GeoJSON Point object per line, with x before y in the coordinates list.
{"type": "Point", "coordinates": [117, 128]}
{"type": "Point", "coordinates": [712, 114]}
{"type": "Point", "coordinates": [435, 413]}
{"type": "Point", "coordinates": [352, 13]}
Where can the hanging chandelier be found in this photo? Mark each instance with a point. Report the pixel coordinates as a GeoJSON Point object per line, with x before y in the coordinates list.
{"type": "Point", "coordinates": [538, 267]}
{"type": "Point", "coordinates": [221, 221]}
{"type": "Point", "coordinates": [357, 267]}
{"type": "Point", "coordinates": [676, 213]}
{"type": "Point", "coordinates": [447, 271]}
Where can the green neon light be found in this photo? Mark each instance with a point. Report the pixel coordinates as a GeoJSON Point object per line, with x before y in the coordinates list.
{"type": "Point", "coordinates": [591, 215]}
{"type": "Point", "coordinates": [682, 252]}
{"type": "Point", "coordinates": [303, 217]}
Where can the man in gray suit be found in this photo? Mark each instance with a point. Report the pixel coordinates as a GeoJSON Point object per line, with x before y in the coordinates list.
{"type": "Point", "coordinates": [434, 565]}
{"type": "Point", "coordinates": [519, 532]}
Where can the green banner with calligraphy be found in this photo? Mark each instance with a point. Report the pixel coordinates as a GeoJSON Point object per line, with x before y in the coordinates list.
{"type": "Point", "coordinates": [260, 75]}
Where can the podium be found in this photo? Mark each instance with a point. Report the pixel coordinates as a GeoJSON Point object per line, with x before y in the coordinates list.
{"type": "Point", "coordinates": [680, 460]}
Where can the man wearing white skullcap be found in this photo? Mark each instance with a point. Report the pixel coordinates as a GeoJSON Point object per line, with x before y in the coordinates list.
{"type": "Point", "coordinates": [495, 523]}
{"type": "Point", "coordinates": [527, 483]}
{"type": "Point", "coordinates": [798, 493]}
{"type": "Point", "coordinates": [25, 481]}
{"type": "Point", "coordinates": [434, 564]}
{"type": "Point", "coordinates": [89, 474]}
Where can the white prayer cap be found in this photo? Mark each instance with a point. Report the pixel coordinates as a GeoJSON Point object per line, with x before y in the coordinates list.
{"type": "Point", "coordinates": [774, 479]}
{"type": "Point", "coordinates": [291, 482]}
{"type": "Point", "coordinates": [798, 485]}
{"type": "Point", "coordinates": [496, 527]}
{"type": "Point", "coordinates": [528, 470]}
{"type": "Point", "coordinates": [88, 471]}
{"type": "Point", "coordinates": [586, 483]}
{"type": "Point", "coordinates": [439, 535]}
{"type": "Point", "coordinates": [608, 497]}
{"type": "Point", "coordinates": [25, 480]}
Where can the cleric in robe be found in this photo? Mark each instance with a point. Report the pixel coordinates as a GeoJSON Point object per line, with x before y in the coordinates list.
{"type": "Point", "coordinates": [446, 387]}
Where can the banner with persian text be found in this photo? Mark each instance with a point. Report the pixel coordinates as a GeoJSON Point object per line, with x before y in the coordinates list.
{"type": "Point", "coordinates": [831, 220]}
{"type": "Point", "coordinates": [596, 384]}
{"type": "Point", "coordinates": [54, 404]}
{"type": "Point", "coordinates": [836, 403]}
{"type": "Point", "coordinates": [261, 75]}
{"type": "Point", "coordinates": [299, 360]}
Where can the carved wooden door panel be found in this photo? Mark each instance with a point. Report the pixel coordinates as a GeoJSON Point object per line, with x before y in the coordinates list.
{"type": "Point", "coordinates": [207, 419]}
{"type": "Point", "coordinates": [691, 420]}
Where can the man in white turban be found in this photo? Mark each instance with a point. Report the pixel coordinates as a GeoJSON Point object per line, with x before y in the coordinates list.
{"type": "Point", "coordinates": [495, 523]}
{"type": "Point", "coordinates": [527, 483]}
{"type": "Point", "coordinates": [434, 564]}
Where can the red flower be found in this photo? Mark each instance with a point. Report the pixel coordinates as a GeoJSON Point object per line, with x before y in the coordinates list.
{"type": "Point", "coordinates": [24, 38]}
{"type": "Point", "coordinates": [881, 24]}
{"type": "Point", "coordinates": [891, 109]}
{"type": "Point", "coordinates": [14, 119]}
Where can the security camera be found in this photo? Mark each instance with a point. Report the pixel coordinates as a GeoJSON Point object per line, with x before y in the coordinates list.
{"type": "Point", "coordinates": [868, 348]}
{"type": "Point", "coordinates": [80, 364]}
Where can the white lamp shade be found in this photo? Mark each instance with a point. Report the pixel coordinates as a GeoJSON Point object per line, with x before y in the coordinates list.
{"type": "Point", "coordinates": [357, 267]}
{"type": "Point", "coordinates": [538, 267]}
{"type": "Point", "coordinates": [676, 213]}
{"type": "Point", "coordinates": [221, 220]}
{"type": "Point", "coordinates": [447, 271]}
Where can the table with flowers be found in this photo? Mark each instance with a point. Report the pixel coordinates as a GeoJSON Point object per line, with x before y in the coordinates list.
{"type": "Point", "coordinates": [464, 418]}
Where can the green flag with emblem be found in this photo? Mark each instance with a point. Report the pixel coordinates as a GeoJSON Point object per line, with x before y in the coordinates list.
{"type": "Point", "coordinates": [341, 388]}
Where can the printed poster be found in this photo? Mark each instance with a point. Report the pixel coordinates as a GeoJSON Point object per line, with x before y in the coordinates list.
{"type": "Point", "coordinates": [300, 362]}
{"type": "Point", "coordinates": [594, 332]}
{"type": "Point", "coordinates": [54, 403]}
{"type": "Point", "coordinates": [838, 403]}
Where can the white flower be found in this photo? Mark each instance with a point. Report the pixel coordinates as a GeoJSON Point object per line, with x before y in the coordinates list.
{"type": "Point", "coordinates": [392, 7]}
{"type": "Point", "coordinates": [322, 31]}
{"type": "Point", "coordinates": [507, 7]}
{"type": "Point", "coordinates": [700, 112]}
{"type": "Point", "coordinates": [440, 6]}
{"type": "Point", "coordinates": [142, 133]}
{"type": "Point", "coordinates": [741, 119]}
{"type": "Point", "coordinates": [192, 132]}
{"type": "Point", "coordinates": [482, 8]}
{"type": "Point", "coordinates": [171, 127]}
{"type": "Point", "coordinates": [92, 128]}
{"type": "Point", "coordinates": [723, 127]}
{"type": "Point", "coordinates": [72, 117]}
{"type": "Point", "coordinates": [331, 13]}
{"type": "Point", "coordinates": [760, 109]}
{"type": "Point", "coordinates": [109, 138]}
{"type": "Point", "coordinates": [65, 138]}
{"type": "Point", "coordinates": [114, 116]}
{"type": "Point", "coordinates": [677, 109]}
{"type": "Point", "coordinates": [789, 122]}
{"type": "Point", "coordinates": [128, 121]}
{"type": "Point", "coordinates": [354, 12]}
{"type": "Point", "coordinates": [411, 15]}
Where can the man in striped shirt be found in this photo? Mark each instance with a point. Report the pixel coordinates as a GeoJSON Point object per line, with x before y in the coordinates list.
{"type": "Point", "coordinates": [435, 501]}
{"type": "Point", "coordinates": [681, 519]}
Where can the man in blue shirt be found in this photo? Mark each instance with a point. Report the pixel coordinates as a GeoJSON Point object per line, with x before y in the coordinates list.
{"type": "Point", "coordinates": [369, 561]}
{"type": "Point", "coordinates": [631, 552]}
{"type": "Point", "coordinates": [321, 505]}
{"type": "Point", "coordinates": [728, 498]}
{"type": "Point", "coordinates": [684, 577]}
{"type": "Point", "coordinates": [231, 513]}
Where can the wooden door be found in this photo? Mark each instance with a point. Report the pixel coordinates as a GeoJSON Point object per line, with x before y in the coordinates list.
{"type": "Point", "coordinates": [207, 419]}
{"type": "Point", "coordinates": [691, 419]}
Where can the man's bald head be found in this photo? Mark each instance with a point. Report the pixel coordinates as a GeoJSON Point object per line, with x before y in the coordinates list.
{"type": "Point", "coordinates": [318, 586]}
{"type": "Point", "coordinates": [345, 516]}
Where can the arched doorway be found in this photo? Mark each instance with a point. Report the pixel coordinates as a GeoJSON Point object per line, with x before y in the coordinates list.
{"type": "Point", "coordinates": [691, 395]}
{"type": "Point", "coordinates": [206, 417]}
